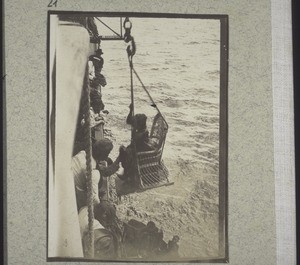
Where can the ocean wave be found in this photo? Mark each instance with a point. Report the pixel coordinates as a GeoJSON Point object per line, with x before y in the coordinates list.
{"type": "Point", "coordinates": [185, 87]}
{"type": "Point", "coordinates": [192, 43]}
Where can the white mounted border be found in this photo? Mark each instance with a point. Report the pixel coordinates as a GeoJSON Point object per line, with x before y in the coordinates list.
{"type": "Point", "coordinates": [283, 113]}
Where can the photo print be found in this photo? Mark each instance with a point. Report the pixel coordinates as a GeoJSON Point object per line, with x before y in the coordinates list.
{"type": "Point", "coordinates": [137, 137]}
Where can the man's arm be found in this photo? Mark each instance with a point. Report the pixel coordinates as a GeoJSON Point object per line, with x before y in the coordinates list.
{"type": "Point", "coordinates": [107, 171]}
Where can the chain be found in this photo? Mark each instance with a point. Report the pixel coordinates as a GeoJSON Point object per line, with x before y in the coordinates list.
{"type": "Point", "coordinates": [128, 38]}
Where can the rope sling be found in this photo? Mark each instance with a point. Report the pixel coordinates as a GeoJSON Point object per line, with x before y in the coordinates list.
{"type": "Point", "coordinates": [150, 170]}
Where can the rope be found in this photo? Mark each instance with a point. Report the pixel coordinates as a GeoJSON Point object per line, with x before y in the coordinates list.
{"type": "Point", "coordinates": [88, 151]}
{"type": "Point", "coordinates": [153, 103]}
{"type": "Point", "coordinates": [131, 48]}
{"type": "Point", "coordinates": [133, 126]}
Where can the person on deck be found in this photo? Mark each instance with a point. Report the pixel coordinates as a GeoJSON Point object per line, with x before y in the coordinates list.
{"type": "Point", "coordinates": [96, 100]}
{"type": "Point", "coordinates": [100, 170]}
{"type": "Point", "coordinates": [96, 63]}
{"type": "Point", "coordinates": [97, 115]}
{"type": "Point", "coordinates": [105, 238]}
{"type": "Point", "coordinates": [97, 80]}
{"type": "Point", "coordinates": [92, 27]}
{"type": "Point", "coordinates": [106, 214]}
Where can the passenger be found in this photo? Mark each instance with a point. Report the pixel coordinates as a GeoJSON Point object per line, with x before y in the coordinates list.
{"type": "Point", "coordinates": [97, 111]}
{"type": "Point", "coordinates": [92, 27]}
{"type": "Point", "coordinates": [139, 121]}
{"type": "Point", "coordinates": [142, 144]}
{"type": "Point", "coordinates": [105, 214]}
{"type": "Point", "coordinates": [96, 62]}
{"type": "Point", "coordinates": [106, 167]}
{"type": "Point", "coordinates": [104, 240]}
{"type": "Point", "coordinates": [100, 152]}
{"type": "Point", "coordinates": [97, 80]}
{"type": "Point", "coordinates": [97, 114]}
{"type": "Point", "coordinates": [96, 101]}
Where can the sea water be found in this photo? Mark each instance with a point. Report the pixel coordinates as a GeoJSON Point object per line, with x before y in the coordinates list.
{"type": "Point", "coordinates": [178, 61]}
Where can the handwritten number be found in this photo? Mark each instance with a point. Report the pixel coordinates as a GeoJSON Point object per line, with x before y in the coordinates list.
{"type": "Point", "coordinates": [53, 3]}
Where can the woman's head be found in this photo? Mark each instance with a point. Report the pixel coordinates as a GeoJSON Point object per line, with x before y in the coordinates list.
{"type": "Point", "coordinates": [141, 120]}
{"type": "Point", "coordinates": [101, 149]}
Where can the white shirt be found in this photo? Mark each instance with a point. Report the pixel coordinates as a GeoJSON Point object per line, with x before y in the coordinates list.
{"type": "Point", "coordinates": [91, 70]}
{"type": "Point", "coordinates": [84, 221]}
{"type": "Point", "coordinates": [79, 171]}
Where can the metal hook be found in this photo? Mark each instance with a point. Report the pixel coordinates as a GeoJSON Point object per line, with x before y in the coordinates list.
{"type": "Point", "coordinates": [127, 24]}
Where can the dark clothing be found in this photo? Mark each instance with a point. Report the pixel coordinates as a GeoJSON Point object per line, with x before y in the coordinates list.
{"type": "Point", "coordinates": [91, 26]}
{"type": "Point", "coordinates": [96, 100]}
{"type": "Point", "coordinates": [111, 168]}
{"type": "Point", "coordinates": [142, 141]}
{"type": "Point", "coordinates": [142, 144]}
{"type": "Point", "coordinates": [98, 62]}
{"type": "Point", "coordinates": [106, 171]}
{"type": "Point", "coordinates": [141, 133]}
{"type": "Point", "coordinates": [141, 239]}
{"type": "Point", "coordinates": [127, 161]}
{"type": "Point", "coordinates": [98, 80]}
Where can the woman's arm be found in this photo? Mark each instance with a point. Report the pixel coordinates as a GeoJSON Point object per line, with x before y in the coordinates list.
{"type": "Point", "coordinates": [129, 119]}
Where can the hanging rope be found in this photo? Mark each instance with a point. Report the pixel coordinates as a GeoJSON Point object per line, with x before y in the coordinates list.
{"type": "Point", "coordinates": [88, 151]}
{"type": "Point", "coordinates": [150, 169]}
{"type": "Point", "coordinates": [153, 103]}
{"type": "Point", "coordinates": [131, 49]}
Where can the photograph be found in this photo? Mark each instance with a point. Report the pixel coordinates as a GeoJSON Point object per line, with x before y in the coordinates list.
{"type": "Point", "coordinates": [137, 137]}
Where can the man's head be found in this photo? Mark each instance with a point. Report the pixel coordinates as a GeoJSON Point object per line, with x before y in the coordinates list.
{"type": "Point", "coordinates": [99, 52]}
{"type": "Point", "coordinates": [101, 149]}
{"type": "Point", "coordinates": [105, 213]}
